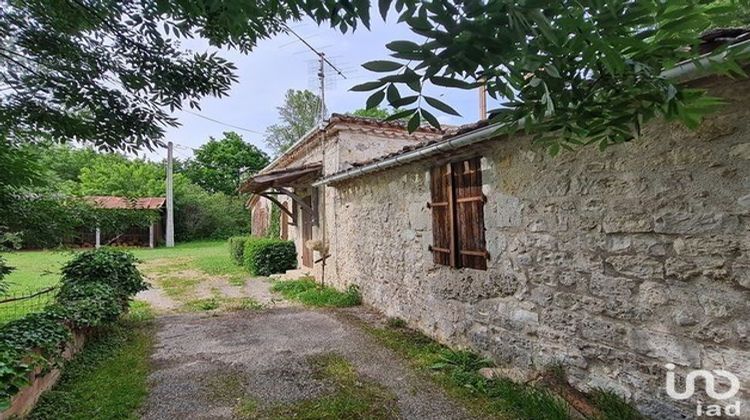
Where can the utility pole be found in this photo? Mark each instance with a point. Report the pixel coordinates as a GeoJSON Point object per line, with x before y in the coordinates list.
{"type": "Point", "coordinates": [170, 198]}
{"type": "Point", "coordinates": [322, 77]}
{"type": "Point", "coordinates": [483, 99]}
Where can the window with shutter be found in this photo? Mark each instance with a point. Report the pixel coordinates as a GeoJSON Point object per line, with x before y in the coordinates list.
{"type": "Point", "coordinates": [458, 215]}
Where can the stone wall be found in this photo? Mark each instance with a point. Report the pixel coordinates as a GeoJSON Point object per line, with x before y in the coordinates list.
{"type": "Point", "coordinates": [612, 263]}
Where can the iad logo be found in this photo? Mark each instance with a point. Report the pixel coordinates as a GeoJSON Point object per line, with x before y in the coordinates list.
{"type": "Point", "coordinates": [709, 378]}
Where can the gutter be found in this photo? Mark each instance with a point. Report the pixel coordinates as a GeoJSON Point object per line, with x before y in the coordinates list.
{"type": "Point", "coordinates": [683, 72]}
{"type": "Point", "coordinates": [454, 143]}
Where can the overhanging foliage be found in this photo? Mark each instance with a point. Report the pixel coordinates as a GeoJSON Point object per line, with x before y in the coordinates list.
{"type": "Point", "coordinates": [575, 72]}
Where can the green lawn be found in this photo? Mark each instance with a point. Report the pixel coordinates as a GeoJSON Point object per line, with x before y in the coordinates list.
{"type": "Point", "coordinates": [35, 270]}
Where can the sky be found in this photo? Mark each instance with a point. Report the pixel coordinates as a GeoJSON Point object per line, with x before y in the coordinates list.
{"type": "Point", "coordinates": [282, 63]}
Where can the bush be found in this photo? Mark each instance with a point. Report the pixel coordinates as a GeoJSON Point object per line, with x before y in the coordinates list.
{"type": "Point", "coordinates": [91, 304]}
{"type": "Point", "coordinates": [104, 265]}
{"type": "Point", "coordinates": [237, 248]}
{"type": "Point", "coordinates": [264, 256]}
{"type": "Point", "coordinates": [96, 287]}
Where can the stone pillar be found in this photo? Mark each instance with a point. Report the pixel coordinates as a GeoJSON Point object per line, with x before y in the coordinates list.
{"type": "Point", "coordinates": [98, 237]}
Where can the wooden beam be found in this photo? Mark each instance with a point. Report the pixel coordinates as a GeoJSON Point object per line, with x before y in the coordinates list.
{"type": "Point", "coordinates": [278, 203]}
{"type": "Point", "coordinates": [297, 199]}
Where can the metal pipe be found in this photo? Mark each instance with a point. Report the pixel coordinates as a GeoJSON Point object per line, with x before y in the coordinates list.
{"type": "Point", "coordinates": [452, 144]}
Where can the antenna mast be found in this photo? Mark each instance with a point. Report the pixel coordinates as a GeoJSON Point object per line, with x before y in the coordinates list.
{"type": "Point", "coordinates": [322, 77]}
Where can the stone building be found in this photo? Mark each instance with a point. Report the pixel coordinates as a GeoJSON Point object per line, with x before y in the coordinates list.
{"type": "Point", "coordinates": [612, 264]}
{"type": "Point", "coordinates": [287, 181]}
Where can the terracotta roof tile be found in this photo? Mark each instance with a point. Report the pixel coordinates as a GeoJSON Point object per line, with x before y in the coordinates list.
{"type": "Point", "coordinates": [114, 202]}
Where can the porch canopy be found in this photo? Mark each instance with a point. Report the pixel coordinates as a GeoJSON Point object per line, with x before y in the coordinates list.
{"type": "Point", "coordinates": [280, 181]}
{"type": "Point", "coordinates": [282, 178]}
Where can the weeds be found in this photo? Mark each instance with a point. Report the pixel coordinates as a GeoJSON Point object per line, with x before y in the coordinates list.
{"type": "Point", "coordinates": [353, 396]}
{"type": "Point", "coordinates": [108, 378]}
{"type": "Point", "coordinates": [457, 373]}
{"type": "Point", "coordinates": [310, 293]}
{"type": "Point", "coordinates": [613, 407]}
{"type": "Point", "coordinates": [222, 304]}
{"type": "Point", "coordinates": [395, 323]}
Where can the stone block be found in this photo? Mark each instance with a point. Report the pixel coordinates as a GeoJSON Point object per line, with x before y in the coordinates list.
{"type": "Point", "coordinates": [609, 286]}
{"type": "Point", "coordinates": [638, 266]}
{"type": "Point", "coordinates": [741, 151]}
{"type": "Point", "coordinates": [418, 216]}
{"type": "Point", "coordinates": [652, 294]}
{"type": "Point", "coordinates": [666, 348]}
{"type": "Point", "coordinates": [508, 211]}
{"type": "Point", "coordinates": [689, 223]}
{"type": "Point", "coordinates": [627, 223]}
{"type": "Point", "coordinates": [602, 331]}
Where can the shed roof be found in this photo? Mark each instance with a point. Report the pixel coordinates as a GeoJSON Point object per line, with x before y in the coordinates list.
{"type": "Point", "coordinates": [281, 178]}
{"type": "Point", "coordinates": [115, 202]}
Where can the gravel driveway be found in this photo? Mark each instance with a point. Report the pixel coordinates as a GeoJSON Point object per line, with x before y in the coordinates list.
{"type": "Point", "coordinates": [204, 365]}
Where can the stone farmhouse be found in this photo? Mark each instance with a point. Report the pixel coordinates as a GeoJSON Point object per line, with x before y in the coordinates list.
{"type": "Point", "coordinates": [610, 264]}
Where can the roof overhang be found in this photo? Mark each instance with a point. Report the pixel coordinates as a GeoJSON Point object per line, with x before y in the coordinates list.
{"type": "Point", "coordinates": [288, 177]}
{"type": "Point", "coordinates": [115, 202]}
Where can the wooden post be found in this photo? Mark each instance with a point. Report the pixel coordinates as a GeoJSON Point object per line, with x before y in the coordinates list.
{"type": "Point", "coordinates": [170, 198]}
{"type": "Point", "coordinates": [151, 235]}
{"type": "Point", "coordinates": [98, 237]}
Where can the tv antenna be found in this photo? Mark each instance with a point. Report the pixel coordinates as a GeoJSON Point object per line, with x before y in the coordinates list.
{"type": "Point", "coordinates": [322, 62]}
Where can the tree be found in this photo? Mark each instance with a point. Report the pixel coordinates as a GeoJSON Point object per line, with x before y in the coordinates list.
{"type": "Point", "coordinates": [220, 165]}
{"type": "Point", "coordinates": [126, 178]}
{"type": "Point", "coordinates": [298, 115]}
{"type": "Point", "coordinates": [377, 113]}
{"type": "Point", "coordinates": [575, 72]}
{"type": "Point", "coordinates": [107, 72]}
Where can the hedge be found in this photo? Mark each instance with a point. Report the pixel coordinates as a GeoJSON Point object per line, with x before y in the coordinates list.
{"type": "Point", "coordinates": [237, 248]}
{"type": "Point", "coordinates": [265, 256]}
{"type": "Point", "coordinates": [95, 290]}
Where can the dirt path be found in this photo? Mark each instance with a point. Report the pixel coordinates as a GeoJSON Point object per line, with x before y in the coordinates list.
{"type": "Point", "coordinates": [275, 360]}
{"type": "Point", "coordinates": [209, 367]}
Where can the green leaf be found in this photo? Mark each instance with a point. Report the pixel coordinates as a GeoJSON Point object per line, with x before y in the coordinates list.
{"type": "Point", "coordinates": [430, 119]}
{"type": "Point", "coordinates": [366, 87]}
{"type": "Point", "coordinates": [383, 6]}
{"type": "Point", "coordinates": [451, 82]}
{"type": "Point", "coordinates": [413, 123]}
{"type": "Point", "coordinates": [382, 66]}
{"type": "Point", "coordinates": [406, 100]}
{"type": "Point", "coordinates": [399, 115]}
{"type": "Point", "coordinates": [392, 94]}
{"type": "Point", "coordinates": [402, 46]}
{"type": "Point", "coordinates": [552, 70]}
{"type": "Point", "coordinates": [440, 105]}
{"type": "Point", "coordinates": [375, 99]}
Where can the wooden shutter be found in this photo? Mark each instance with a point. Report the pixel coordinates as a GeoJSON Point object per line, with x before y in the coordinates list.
{"type": "Point", "coordinates": [443, 231]}
{"type": "Point", "coordinates": [469, 208]}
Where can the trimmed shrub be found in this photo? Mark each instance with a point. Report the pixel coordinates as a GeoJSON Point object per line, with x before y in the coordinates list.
{"type": "Point", "coordinates": [237, 248]}
{"type": "Point", "coordinates": [90, 305]}
{"type": "Point", "coordinates": [265, 256]}
{"type": "Point", "coordinates": [104, 265]}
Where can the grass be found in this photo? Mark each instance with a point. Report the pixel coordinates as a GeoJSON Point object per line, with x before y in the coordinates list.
{"type": "Point", "coordinates": [198, 260]}
{"type": "Point", "coordinates": [613, 407]}
{"type": "Point", "coordinates": [108, 378]}
{"type": "Point", "coordinates": [353, 396]}
{"type": "Point", "coordinates": [223, 304]}
{"type": "Point", "coordinates": [310, 293]}
{"type": "Point", "coordinates": [457, 373]}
